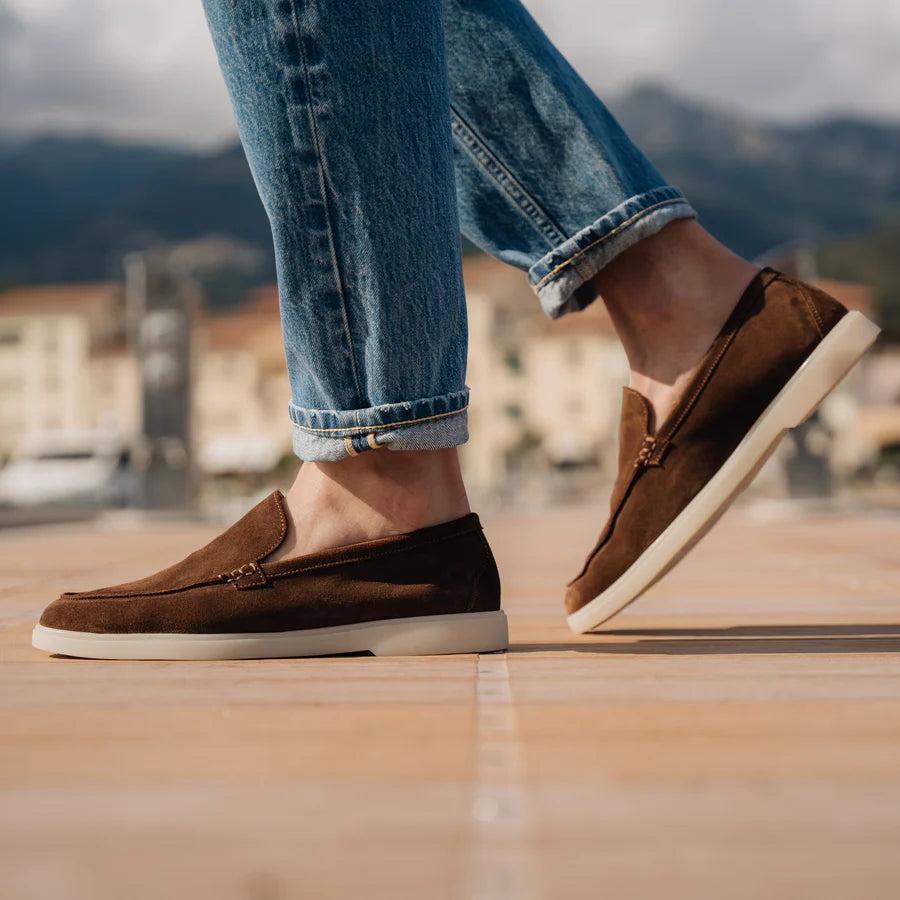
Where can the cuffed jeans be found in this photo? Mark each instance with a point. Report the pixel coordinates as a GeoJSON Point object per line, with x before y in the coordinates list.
{"type": "Point", "coordinates": [377, 131]}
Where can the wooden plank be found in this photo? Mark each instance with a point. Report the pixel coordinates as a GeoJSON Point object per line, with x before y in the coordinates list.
{"type": "Point", "coordinates": [735, 733]}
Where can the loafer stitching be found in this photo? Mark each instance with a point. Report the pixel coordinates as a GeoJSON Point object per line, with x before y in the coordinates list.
{"type": "Point", "coordinates": [217, 580]}
{"type": "Point", "coordinates": [811, 309]}
{"type": "Point", "coordinates": [661, 445]}
{"type": "Point", "coordinates": [726, 339]}
{"type": "Point", "coordinates": [280, 537]}
{"type": "Point", "coordinates": [390, 551]}
{"type": "Point", "coordinates": [488, 558]}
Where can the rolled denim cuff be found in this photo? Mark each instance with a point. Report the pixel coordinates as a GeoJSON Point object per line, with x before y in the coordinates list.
{"type": "Point", "coordinates": [329, 435]}
{"type": "Point", "coordinates": [562, 278]}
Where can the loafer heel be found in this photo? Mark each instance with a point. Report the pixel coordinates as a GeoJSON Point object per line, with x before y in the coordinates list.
{"type": "Point", "coordinates": [826, 367]}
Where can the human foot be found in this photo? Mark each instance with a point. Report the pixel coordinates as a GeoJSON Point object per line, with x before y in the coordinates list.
{"type": "Point", "coordinates": [781, 351]}
{"type": "Point", "coordinates": [373, 495]}
{"type": "Point", "coordinates": [668, 297]}
{"type": "Point", "coordinates": [434, 590]}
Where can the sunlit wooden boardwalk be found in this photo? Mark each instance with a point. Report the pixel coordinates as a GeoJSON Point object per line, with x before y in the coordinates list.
{"type": "Point", "coordinates": [735, 735]}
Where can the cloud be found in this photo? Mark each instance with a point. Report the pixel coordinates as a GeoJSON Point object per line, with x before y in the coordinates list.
{"type": "Point", "coordinates": [146, 68]}
{"type": "Point", "coordinates": [782, 58]}
{"type": "Point", "coordinates": [142, 69]}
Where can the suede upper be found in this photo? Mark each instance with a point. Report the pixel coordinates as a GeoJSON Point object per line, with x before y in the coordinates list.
{"type": "Point", "coordinates": [228, 587]}
{"type": "Point", "coordinates": [776, 324]}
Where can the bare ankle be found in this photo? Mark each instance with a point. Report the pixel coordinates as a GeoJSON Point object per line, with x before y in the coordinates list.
{"type": "Point", "coordinates": [415, 486]}
{"type": "Point", "coordinates": [375, 494]}
{"type": "Point", "coordinates": [668, 296]}
{"type": "Point", "coordinates": [678, 280]}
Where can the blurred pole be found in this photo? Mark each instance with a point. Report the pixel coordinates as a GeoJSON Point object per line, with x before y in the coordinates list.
{"type": "Point", "coordinates": [161, 306]}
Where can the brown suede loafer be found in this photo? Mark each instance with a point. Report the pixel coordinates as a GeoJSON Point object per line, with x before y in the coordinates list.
{"type": "Point", "coordinates": [435, 590]}
{"type": "Point", "coordinates": [782, 350]}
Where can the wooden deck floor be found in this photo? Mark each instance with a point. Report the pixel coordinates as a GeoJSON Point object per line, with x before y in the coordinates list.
{"type": "Point", "coordinates": [736, 734]}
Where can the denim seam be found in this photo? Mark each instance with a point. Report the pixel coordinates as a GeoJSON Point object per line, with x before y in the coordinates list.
{"type": "Point", "coordinates": [322, 167]}
{"type": "Point", "coordinates": [504, 179]}
{"type": "Point", "coordinates": [609, 234]}
{"type": "Point", "coordinates": [452, 412]}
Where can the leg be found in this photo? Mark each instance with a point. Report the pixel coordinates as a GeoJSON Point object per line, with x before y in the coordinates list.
{"type": "Point", "coordinates": [723, 357]}
{"type": "Point", "coordinates": [343, 112]}
{"type": "Point", "coordinates": [548, 181]}
{"type": "Point", "coordinates": [668, 296]}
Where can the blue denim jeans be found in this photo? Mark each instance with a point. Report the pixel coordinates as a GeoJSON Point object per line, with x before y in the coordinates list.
{"type": "Point", "coordinates": [377, 131]}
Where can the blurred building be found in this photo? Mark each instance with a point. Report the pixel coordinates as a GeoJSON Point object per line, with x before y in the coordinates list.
{"type": "Point", "coordinates": [545, 395]}
{"type": "Point", "coordinates": [64, 361]}
{"type": "Point", "coordinates": [241, 412]}
{"type": "Point", "coordinates": [66, 365]}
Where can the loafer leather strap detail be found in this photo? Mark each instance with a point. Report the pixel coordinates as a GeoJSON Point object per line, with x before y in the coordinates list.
{"type": "Point", "coordinates": [249, 575]}
{"type": "Point", "coordinates": [645, 454]}
{"type": "Point", "coordinates": [652, 452]}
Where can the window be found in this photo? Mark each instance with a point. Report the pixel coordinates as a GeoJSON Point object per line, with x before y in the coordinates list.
{"type": "Point", "coordinates": [513, 360]}
{"type": "Point", "coordinates": [51, 337]}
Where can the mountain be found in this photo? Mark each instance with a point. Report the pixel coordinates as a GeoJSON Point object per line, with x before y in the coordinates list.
{"type": "Point", "coordinates": [53, 188]}
{"type": "Point", "coordinates": [757, 184]}
{"type": "Point", "coordinates": [73, 206]}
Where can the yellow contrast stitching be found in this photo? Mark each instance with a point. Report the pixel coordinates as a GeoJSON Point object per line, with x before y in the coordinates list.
{"type": "Point", "coordinates": [727, 340]}
{"type": "Point", "coordinates": [600, 240]}
{"type": "Point", "coordinates": [281, 534]}
{"type": "Point", "coordinates": [452, 412]}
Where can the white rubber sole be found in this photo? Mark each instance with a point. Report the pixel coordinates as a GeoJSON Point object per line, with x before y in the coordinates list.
{"type": "Point", "coordinates": [479, 632]}
{"type": "Point", "coordinates": [825, 367]}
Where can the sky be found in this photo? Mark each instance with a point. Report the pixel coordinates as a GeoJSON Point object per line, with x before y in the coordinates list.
{"type": "Point", "coordinates": [145, 69]}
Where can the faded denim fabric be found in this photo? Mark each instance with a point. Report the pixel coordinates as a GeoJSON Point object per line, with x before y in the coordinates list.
{"type": "Point", "coordinates": [376, 131]}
